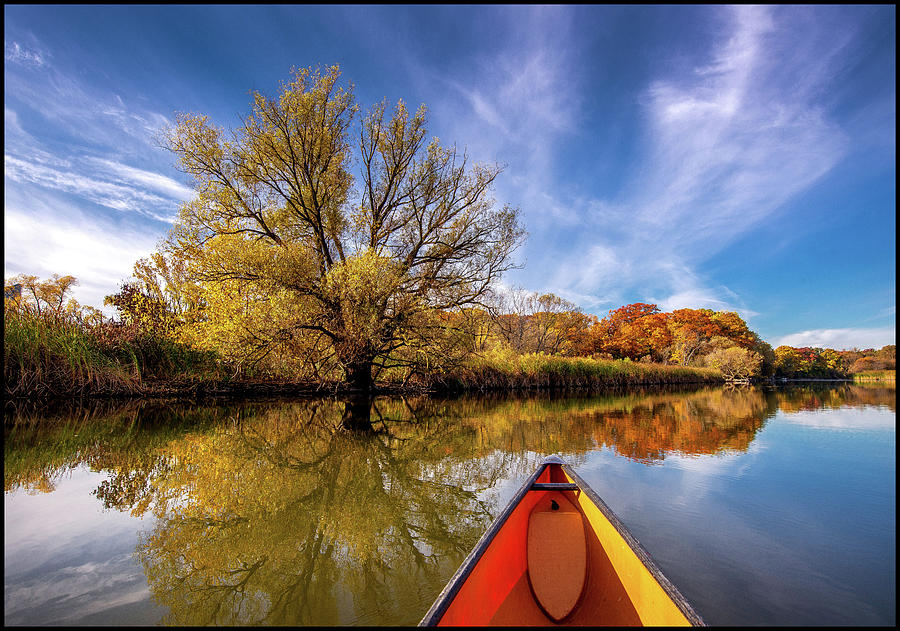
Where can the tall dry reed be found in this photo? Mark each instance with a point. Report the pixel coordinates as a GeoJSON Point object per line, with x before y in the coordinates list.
{"type": "Point", "coordinates": [537, 370]}
{"type": "Point", "coordinates": [52, 354]}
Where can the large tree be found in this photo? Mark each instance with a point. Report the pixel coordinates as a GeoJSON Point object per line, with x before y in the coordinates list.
{"type": "Point", "coordinates": [279, 223]}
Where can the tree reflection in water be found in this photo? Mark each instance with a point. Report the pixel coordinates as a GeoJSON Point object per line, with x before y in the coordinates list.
{"type": "Point", "coordinates": [287, 517]}
{"type": "Point", "coordinates": [352, 512]}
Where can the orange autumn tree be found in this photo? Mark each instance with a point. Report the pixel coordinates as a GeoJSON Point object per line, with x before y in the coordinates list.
{"type": "Point", "coordinates": [692, 331]}
{"type": "Point", "coordinates": [733, 327]}
{"type": "Point", "coordinates": [633, 331]}
{"type": "Point", "coordinates": [684, 336]}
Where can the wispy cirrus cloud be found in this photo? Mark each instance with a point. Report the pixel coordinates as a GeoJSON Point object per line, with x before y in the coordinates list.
{"type": "Point", "coordinates": [72, 108]}
{"type": "Point", "coordinates": [162, 184]}
{"type": "Point", "coordinates": [97, 175]}
{"type": "Point", "coordinates": [604, 275]}
{"type": "Point", "coordinates": [70, 147]}
{"type": "Point", "coordinates": [731, 143]}
{"type": "Point", "coordinates": [52, 102]}
{"type": "Point", "coordinates": [20, 54]}
{"type": "Point", "coordinates": [728, 144]}
{"type": "Point", "coordinates": [519, 107]}
{"type": "Point", "coordinates": [115, 186]}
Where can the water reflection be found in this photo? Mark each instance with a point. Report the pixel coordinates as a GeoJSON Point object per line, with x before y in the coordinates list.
{"type": "Point", "coordinates": [272, 519]}
{"type": "Point", "coordinates": [335, 512]}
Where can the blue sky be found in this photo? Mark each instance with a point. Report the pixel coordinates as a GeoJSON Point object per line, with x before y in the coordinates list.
{"type": "Point", "coordinates": [737, 158]}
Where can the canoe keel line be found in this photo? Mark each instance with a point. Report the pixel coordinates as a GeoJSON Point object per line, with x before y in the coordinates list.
{"type": "Point", "coordinates": [557, 555]}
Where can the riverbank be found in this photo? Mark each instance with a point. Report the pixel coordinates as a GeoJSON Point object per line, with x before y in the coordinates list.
{"type": "Point", "coordinates": [537, 370]}
{"type": "Point", "coordinates": [52, 356]}
{"type": "Point", "coordinates": [516, 373]}
{"type": "Point", "coordinates": [876, 376]}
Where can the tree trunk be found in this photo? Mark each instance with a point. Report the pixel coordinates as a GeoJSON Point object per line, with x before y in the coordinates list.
{"type": "Point", "coordinates": [357, 414]}
{"type": "Point", "coordinates": [359, 376]}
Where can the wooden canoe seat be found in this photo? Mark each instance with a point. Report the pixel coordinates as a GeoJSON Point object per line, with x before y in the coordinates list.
{"type": "Point", "coordinates": [556, 556]}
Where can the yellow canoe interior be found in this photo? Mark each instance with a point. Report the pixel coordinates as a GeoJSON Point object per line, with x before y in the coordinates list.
{"type": "Point", "coordinates": [558, 558]}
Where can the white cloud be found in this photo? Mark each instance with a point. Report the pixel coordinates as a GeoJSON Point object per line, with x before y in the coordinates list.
{"type": "Point", "coordinates": [728, 144]}
{"type": "Point", "coordinates": [102, 181]}
{"type": "Point", "coordinates": [600, 266]}
{"type": "Point", "coordinates": [54, 570]}
{"type": "Point", "coordinates": [612, 270]}
{"type": "Point", "coordinates": [846, 418]}
{"type": "Point", "coordinates": [95, 115]}
{"type": "Point", "coordinates": [11, 121]}
{"type": "Point", "coordinates": [71, 151]}
{"type": "Point", "coordinates": [120, 195]}
{"type": "Point", "coordinates": [692, 299]}
{"type": "Point", "coordinates": [20, 143]}
{"type": "Point", "coordinates": [154, 181]}
{"type": "Point", "coordinates": [839, 339]}
{"type": "Point", "coordinates": [519, 106]}
{"type": "Point", "coordinates": [17, 53]}
{"type": "Point", "coordinates": [44, 235]}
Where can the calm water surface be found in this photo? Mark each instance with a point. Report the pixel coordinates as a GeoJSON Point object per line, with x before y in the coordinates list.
{"type": "Point", "coordinates": [764, 506]}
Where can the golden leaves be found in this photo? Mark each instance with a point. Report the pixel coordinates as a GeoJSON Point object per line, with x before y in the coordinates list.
{"type": "Point", "coordinates": [273, 228]}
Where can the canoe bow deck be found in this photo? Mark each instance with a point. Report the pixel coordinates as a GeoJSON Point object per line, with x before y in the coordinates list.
{"type": "Point", "coordinates": [557, 555]}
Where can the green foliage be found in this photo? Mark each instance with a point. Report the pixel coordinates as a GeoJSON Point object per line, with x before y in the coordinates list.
{"type": "Point", "coordinates": [150, 355]}
{"type": "Point", "coordinates": [51, 351]}
{"type": "Point", "coordinates": [889, 376]}
{"type": "Point", "coordinates": [51, 354]}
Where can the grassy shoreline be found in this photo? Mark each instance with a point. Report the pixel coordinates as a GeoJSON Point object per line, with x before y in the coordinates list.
{"type": "Point", "coordinates": [49, 356]}
{"type": "Point", "coordinates": [186, 388]}
{"type": "Point", "coordinates": [58, 363]}
{"type": "Point", "coordinates": [52, 355]}
{"type": "Point", "coordinates": [538, 371]}
{"type": "Point", "coordinates": [875, 376]}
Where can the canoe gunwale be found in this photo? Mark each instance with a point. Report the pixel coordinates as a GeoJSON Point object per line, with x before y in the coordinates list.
{"type": "Point", "coordinates": [434, 615]}
{"type": "Point", "coordinates": [448, 594]}
{"type": "Point", "coordinates": [668, 586]}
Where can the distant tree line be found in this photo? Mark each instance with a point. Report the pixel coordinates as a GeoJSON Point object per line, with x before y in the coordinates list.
{"type": "Point", "coordinates": [828, 363]}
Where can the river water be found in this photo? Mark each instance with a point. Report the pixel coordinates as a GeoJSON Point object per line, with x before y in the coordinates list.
{"type": "Point", "coordinates": [765, 506]}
